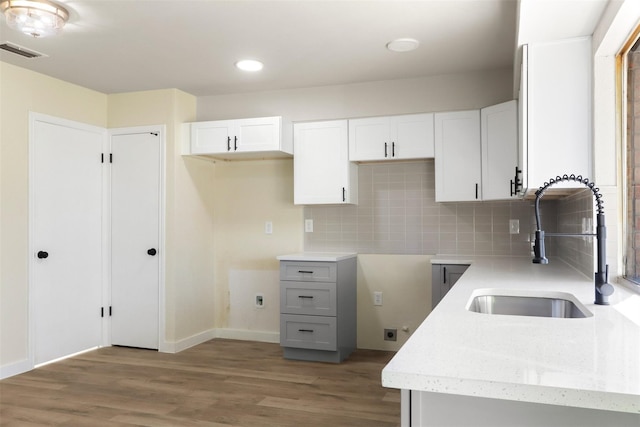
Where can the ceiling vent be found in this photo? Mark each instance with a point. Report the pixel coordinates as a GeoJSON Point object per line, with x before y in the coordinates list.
{"type": "Point", "coordinates": [20, 50]}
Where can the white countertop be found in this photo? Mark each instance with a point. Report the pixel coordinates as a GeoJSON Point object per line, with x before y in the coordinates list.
{"type": "Point", "coordinates": [317, 256]}
{"type": "Point", "coordinates": [592, 362]}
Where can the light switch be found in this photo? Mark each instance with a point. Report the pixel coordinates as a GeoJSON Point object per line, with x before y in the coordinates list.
{"type": "Point", "coordinates": [268, 227]}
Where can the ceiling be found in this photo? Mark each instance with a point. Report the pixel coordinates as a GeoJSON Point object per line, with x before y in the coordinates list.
{"type": "Point", "coordinates": [130, 45]}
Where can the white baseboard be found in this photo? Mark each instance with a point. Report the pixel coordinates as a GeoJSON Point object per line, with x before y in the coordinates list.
{"type": "Point", "coordinates": [193, 340]}
{"type": "Point", "coordinates": [15, 368]}
{"type": "Point", "coordinates": [246, 335]}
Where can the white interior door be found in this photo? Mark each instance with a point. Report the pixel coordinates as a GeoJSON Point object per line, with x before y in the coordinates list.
{"type": "Point", "coordinates": [66, 237]}
{"type": "Point", "coordinates": [135, 242]}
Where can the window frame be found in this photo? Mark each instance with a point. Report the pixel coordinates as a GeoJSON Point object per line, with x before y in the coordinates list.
{"type": "Point", "coordinates": [622, 100]}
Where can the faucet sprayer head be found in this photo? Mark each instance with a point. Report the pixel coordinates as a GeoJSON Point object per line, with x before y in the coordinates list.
{"type": "Point", "coordinates": [539, 255]}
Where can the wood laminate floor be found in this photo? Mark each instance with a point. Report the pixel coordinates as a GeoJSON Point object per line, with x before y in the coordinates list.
{"type": "Point", "coordinates": [219, 383]}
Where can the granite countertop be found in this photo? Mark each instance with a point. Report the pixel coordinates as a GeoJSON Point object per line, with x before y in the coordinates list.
{"type": "Point", "coordinates": [317, 256]}
{"type": "Point", "coordinates": [591, 362]}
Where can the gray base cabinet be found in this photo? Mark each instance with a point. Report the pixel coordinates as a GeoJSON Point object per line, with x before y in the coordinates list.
{"type": "Point", "coordinates": [318, 309]}
{"type": "Point", "coordinates": [443, 277]}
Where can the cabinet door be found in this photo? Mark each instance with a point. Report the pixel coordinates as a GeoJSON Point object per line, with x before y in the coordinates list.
{"type": "Point", "coordinates": [443, 277]}
{"type": "Point", "coordinates": [559, 95]}
{"type": "Point", "coordinates": [260, 134]}
{"type": "Point", "coordinates": [211, 137]}
{"type": "Point", "coordinates": [457, 151]}
{"type": "Point", "coordinates": [412, 136]}
{"type": "Point", "coordinates": [322, 172]}
{"type": "Point", "coordinates": [499, 149]}
{"type": "Point", "coordinates": [369, 139]}
{"type": "Point", "coordinates": [523, 112]}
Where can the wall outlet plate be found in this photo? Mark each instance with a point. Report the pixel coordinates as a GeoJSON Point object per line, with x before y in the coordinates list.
{"type": "Point", "coordinates": [308, 226]}
{"type": "Point", "coordinates": [514, 226]}
{"type": "Point", "coordinates": [377, 298]}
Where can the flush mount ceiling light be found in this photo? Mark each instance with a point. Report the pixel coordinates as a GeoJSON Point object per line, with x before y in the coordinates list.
{"type": "Point", "coordinates": [37, 18]}
{"type": "Point", "coordinates": [403, 45]}
{"type": "Point", "coordinates": [249, 65]}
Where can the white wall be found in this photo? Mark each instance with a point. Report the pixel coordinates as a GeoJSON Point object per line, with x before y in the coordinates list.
{"type": "Point", "coordinates": [437, 93]}
{"type": "Point", "coordinates": [189, 231]}
{"type": "Point", "coordinates": [248, 193]}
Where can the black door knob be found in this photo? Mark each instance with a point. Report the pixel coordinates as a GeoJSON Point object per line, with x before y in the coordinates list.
{"type": "Point", "coordinates": [42, 254]}
{"type": "Point", "coordinates": [152, 252]}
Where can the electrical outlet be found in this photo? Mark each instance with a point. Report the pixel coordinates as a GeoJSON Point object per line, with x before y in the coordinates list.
{"type": "Point", "coordinates": [268, 227]}
{"type": "Point", "coordinates": [390, 334]}
{"type": "Point", "coordinates": [587, 227]}
{"type": "Point", "coordinates": [308, 226]}
{"type": "Point", "coordinates": [514, 226]}
{"type": "Point", "coordinates": [377, 298]}
{"type": "Point", "coordinates": [259, 301]}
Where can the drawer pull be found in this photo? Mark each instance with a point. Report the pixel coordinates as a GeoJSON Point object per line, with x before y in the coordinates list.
{"type": "Point", "coordinates": [306, 296]}
{"type": "Point", "coordinates": [305, 271]}
{"type": "Point", "coordinates": [305, 330]}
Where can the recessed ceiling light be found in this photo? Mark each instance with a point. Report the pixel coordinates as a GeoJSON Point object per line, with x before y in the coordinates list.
{"type": "Point", "coordinates": [403, 45]}
{"type": "Point", "coordinates": [249, 65]}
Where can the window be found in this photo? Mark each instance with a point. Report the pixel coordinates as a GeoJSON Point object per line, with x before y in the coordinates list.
{"type": "Point", "coordinates": [632, 154]}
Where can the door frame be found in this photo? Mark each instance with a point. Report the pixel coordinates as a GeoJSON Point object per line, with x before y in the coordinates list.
{"type": "Point", "coordinates": [161, 131]}
{"type": "Point", "coordinates": [33, 118]}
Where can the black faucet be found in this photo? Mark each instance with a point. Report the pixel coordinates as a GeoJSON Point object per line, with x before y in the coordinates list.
{"type": "Point", "coordinates": [603, 288]}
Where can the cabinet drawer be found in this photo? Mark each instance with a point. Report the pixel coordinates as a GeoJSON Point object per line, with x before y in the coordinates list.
{"type": "Point", "coordinates": [308, 271]}
{"type": "Point", "coordinates": [312, 332]}
{"type": "Point", "coordinates": [317, 299]}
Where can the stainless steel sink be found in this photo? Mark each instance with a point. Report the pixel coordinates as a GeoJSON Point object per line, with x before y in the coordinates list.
{"type": "Point", "coordinates": [527, 303]}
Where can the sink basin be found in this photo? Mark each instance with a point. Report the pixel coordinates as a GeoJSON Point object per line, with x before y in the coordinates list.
{"type": "Point", "coordinates": [527, 303]}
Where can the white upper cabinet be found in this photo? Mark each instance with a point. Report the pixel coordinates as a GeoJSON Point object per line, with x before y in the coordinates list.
{"type": "Point", "coordinates": [322, 173]}
{"type": "Point", "coordinates": [477, 154]}
{"type": "Point", "coordinates": [240, 139]}
{"type": "Point", "coordinates": [457, 156]}
{"type": "Point", "coordinates": [211, 137]}
{"type": "Point", "coordinates": [499, 137]}
{"type": "Point", "coordinates": [391, 138]}
{"type": "Point", "coordinates": [556, 103]}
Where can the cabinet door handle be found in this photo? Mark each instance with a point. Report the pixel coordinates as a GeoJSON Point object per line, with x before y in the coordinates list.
{"type": "Point", "coordinates": [228, 143]}
{"type": "Point", "coordinates": [393, 149]}
{"type": "Point", "coordinates": [235, 143]}
{"type": "Point", "coordinates": [444, 273]}
{"type": "Point", "coordinates": [152, 252]}
{"type": "Point", "coordinates": [42, 254]}
{"type": "Point", "coordinates": [344, 194]}
{"type": "Point", "coordinates": [476, 190]}
{"type": "Point", "coordinates": [305, 330]}
{"type": "Point", "coordinates": [516, 183]}
{"type": "Point", "coordinates": [306, 296]}
{"type": "Point", "coordinates": [305, 271]}
{"type": "Point", "coordinates": [385, 149]}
